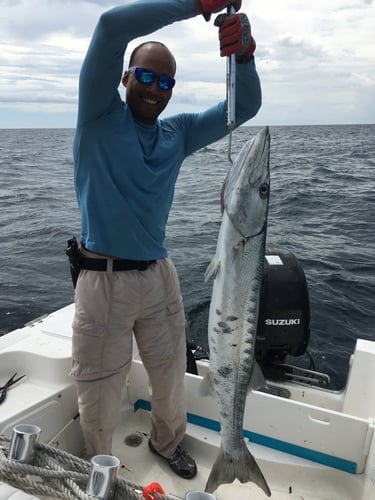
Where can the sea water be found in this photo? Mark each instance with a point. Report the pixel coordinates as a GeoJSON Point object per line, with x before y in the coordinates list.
{"type": "Point", "coordinates": [322, 209]}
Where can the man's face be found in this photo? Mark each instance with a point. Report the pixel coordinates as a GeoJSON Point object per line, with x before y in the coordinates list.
{"type": "Point", "coordinates": [147, 101]}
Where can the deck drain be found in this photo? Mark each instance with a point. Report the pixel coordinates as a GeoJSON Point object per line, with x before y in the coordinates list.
{"type": "Point", "coordinates": [133, 440]}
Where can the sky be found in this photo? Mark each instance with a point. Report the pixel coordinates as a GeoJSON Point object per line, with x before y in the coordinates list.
{"type": "Point", "coordinates": [315, 59]}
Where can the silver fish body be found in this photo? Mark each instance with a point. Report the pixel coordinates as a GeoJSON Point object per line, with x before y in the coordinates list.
{"type": "Point", "coordinates": [237, 269]}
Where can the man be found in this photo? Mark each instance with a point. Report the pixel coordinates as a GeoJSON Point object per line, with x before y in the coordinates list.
{"type": "Point", "coordinates": [126, 161]}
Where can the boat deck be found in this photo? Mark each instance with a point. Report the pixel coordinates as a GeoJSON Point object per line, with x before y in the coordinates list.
{"type": "Point", "coordinates": [287, 475]}
{"type": "Point", "coordinates": [312, 423]}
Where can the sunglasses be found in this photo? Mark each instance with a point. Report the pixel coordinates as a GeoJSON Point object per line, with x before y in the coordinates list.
{"type": "Point", "coordinates": [147, 77]}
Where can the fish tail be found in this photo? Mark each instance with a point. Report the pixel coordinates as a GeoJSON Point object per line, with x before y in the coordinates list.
{"type": "Point", "coordinates": [245, 469]}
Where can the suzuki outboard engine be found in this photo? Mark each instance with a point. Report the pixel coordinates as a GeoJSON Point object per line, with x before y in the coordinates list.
{"type": "Point", "coordinates": [284, 313]}
{"type": "Point", "coordinates": [283, 325]}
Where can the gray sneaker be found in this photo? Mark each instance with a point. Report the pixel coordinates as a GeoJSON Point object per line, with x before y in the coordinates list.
{"type": "Point", "coordinates": [181, 462]}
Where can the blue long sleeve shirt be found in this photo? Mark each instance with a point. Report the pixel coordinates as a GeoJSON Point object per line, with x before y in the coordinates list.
{"type": "Point", "coordinates": [124, 171]}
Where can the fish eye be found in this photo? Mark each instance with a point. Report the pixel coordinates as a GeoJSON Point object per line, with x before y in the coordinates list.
{"type": "Point", "coordinates": [263, 189]}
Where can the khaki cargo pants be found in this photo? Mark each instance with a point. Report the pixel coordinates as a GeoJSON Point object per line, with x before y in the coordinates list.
{"type": "Point", "coordinates": [109, 307]}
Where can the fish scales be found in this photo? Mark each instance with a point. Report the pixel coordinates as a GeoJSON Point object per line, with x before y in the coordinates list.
{"type": "Point", "coordinates": [237, 269]}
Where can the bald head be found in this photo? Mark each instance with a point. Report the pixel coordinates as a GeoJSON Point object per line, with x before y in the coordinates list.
{"type": "Point", "coordinates": [154, 50]}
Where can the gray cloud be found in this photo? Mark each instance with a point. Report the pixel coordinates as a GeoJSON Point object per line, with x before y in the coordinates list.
{"type": "Point", "coordinates": [315, 61]}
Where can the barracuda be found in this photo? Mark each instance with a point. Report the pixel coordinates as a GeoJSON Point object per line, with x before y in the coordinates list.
{"type": "Point", "coordinates": [237, 269]}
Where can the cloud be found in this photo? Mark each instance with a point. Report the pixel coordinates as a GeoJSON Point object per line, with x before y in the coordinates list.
{"type": "Point", "coordinates": [316, 60]}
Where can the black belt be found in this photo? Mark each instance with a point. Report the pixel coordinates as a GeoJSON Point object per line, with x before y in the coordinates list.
{"type": "Point", "coordinates": [93, 264]}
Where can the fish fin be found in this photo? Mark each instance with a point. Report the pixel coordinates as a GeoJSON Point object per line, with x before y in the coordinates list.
{"type": "Point", "coordinates": [212, 269]}
{"type": "Point", "coordinates": [206, 387]}
{"type": "Point", "coordinates": [244, 468]}
{"type": "Point", "coordinates": [257, 379]}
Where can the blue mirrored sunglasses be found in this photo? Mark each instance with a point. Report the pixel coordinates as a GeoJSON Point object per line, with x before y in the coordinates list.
{"type": "Point", "coordinates": [147, 77]}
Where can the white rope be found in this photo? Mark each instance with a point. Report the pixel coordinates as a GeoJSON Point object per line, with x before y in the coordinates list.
{"type": "Point", "coordinates": [58, 474]}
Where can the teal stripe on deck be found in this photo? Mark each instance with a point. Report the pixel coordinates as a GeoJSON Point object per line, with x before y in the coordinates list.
{"type": "Point", "coordinates": [276, 444]}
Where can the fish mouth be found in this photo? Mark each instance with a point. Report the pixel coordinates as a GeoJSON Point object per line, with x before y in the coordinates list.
{"type": "Point", "coordinates": [261, 145]}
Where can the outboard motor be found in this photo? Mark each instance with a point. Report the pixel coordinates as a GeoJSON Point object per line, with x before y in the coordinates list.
{"type": "Point", "coordinates": [283, 325]}
{"type": "Point", "coordinates": [284, 314]}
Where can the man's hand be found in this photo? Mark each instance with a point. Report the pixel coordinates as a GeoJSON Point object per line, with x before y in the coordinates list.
{"type": "Point", "coordinates": [235, 36]}
{"type": "Point", "coordinates": [208, 7]}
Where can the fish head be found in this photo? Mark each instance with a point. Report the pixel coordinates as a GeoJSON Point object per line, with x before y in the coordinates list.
{"type": "Point", "coordinates": [247, 187]}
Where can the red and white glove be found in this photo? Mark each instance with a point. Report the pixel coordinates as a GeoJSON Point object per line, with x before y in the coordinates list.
{"type": "Point", "coordinates": [235, 36]}
{"type": "Point", "coordinates": [211, 6]}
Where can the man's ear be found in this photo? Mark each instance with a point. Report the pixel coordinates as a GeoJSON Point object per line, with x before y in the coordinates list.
{"type": "Point", "coordinates": [125, 78]}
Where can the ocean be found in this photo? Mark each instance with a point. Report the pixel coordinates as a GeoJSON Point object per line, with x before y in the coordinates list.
{"type": "Point", "coordinates": [322, 209]}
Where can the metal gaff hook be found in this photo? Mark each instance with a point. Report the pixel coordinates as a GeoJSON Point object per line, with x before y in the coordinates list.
{"type": "Point", "coordinates": [231, 92]}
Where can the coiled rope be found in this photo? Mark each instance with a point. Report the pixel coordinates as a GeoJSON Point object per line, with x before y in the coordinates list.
{"type": "Point", "coordinates": [58, 474]}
